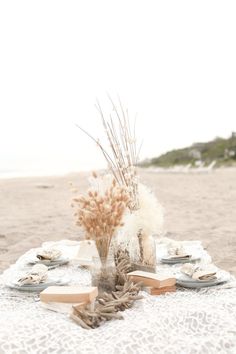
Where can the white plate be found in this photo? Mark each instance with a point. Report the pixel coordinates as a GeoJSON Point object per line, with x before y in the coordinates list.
{"type": "Point", "coordinates": [57, 262]}
{"type": "Point", "coordinates": [199, 285]}
{"type": "Point", "coordinates": [187, 282]}
{"type": "Point", "coordinates": [37, 287]}
{"type": "Point", "coordinates": [179, 260]}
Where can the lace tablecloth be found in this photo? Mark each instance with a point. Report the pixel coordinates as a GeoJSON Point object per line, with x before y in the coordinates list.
{"type": "Point", "coordinates": [186, 322]}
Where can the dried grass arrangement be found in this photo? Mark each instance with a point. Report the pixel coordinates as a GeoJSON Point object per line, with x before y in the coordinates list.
{"type": "Point", "coordinates": [100, 214]}
{"type": "Point", "coordinates": [105, 215]}
{"type": "Point", "coordinates": [122, 157]}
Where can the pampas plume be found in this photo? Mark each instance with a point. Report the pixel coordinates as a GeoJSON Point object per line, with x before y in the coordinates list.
{"type": "Point", "coordinates": [149, 218]}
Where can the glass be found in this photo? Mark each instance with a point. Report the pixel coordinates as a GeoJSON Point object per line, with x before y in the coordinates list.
{"type": "Point", "coordinates": [142, 251]}
{"type": "Point", "coordinates": [103, 274]}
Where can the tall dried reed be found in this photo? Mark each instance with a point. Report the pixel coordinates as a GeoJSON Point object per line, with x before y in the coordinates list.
{"type": "Point", "coordinates": [123, 155]}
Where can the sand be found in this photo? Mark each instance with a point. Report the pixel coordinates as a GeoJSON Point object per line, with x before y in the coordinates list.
{"type": "Point", "coordinates": [198, 206]}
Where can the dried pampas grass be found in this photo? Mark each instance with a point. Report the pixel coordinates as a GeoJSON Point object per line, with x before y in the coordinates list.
{"type": "Point", "coordinates": [149, 218]}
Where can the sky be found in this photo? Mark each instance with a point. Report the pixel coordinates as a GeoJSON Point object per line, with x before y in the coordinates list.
{"type": "Point", "coordinates": [171, 62]}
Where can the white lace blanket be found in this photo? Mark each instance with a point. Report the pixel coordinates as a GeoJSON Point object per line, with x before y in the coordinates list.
{"type": "Point", "coordinates": [186, 322]}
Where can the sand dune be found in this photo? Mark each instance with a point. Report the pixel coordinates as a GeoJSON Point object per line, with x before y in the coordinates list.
{"type": "Point", "coordinates": [197, 206]}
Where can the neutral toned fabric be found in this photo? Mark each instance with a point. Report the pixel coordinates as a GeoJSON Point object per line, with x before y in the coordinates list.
{"type": "Point", "coordinates": [186, 322]}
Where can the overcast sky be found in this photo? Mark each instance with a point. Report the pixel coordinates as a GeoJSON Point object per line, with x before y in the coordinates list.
{"type": "Point", "coordinates": [171, 62]}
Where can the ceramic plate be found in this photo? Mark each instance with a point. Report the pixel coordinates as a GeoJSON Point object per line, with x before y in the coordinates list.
{"type": "Point", "coordinates": [179, 260]}
{"type": "Point", "coordinates": [188, 282]}
{"type": "Point", "coordinates": [37, 287]}
{"type": "Point", "coordinates": [57, 262]}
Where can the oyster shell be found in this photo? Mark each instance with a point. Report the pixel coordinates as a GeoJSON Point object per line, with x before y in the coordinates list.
{"type": "Point", "coordinates": [178, 252]}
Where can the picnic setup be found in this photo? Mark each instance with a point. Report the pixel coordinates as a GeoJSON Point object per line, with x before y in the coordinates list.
{"type": "Point", "coordinates": [123, 287]}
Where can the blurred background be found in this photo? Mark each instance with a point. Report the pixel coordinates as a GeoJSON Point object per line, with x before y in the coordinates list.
{"type": "Point", "coordinates": [171, 62]}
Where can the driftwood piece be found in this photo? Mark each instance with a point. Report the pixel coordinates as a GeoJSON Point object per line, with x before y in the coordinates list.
{"type": "Point", "coordinates": [107, 306]}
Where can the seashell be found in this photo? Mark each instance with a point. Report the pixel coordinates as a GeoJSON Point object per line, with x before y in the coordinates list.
{"type": "Point", "coordinates": [37, 275]}
{"type": "Point", "coordinates": [177, 251]}
{"type": "Point", "coordinates": [198, 273]}
{"type": "Point", "coordinates": [50, 254]}
{"type": "Point", "coordinates": [172, 251]}
{"type": "Point", "coordinates": [188, 269]}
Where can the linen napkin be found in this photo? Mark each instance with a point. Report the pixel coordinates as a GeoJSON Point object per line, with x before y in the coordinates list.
{"type": "Point", "coordinates": [198, 272]}
{"type": "Point", "coordinates": [178, 252]}
{"type": "Point", "coordinates": [38, 274]}
{"type": "Point", "coordinates": [87, 251]}
{"type": "Point", "coordinates": [50, 254]}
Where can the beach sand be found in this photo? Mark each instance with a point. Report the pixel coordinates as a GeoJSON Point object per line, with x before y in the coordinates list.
{"type": "Point", "coordinates": [197, 207]}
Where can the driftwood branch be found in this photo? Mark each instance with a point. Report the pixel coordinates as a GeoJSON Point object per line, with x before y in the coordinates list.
{"type": "Point", "coordinates": [107, 306]}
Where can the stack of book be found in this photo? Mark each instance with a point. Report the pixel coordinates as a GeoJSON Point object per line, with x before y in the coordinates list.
{"type": "Point", "coordinates": [62, 298]}
{"type": "Point", "coordinates": [154, 284]}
